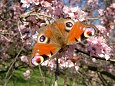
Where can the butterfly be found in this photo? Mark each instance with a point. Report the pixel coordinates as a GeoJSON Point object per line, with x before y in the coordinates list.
{"type": "Point", "coordinates": [56, 36]}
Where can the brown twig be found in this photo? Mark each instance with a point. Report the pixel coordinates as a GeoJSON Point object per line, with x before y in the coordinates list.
{"type": "Point", "coordinates": [111, 60]}
{"type": "Point", "coordinates": [10, 68]}
{"type": "Point", "coordinates": [104, 82]}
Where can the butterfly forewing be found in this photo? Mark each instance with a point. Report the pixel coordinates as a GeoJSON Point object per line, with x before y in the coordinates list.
{"type": "Point", "coordinates": [49, 42]}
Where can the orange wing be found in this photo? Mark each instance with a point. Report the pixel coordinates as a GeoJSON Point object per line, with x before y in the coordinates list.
{"type": "Point", "coordinates": [44, 49]}
{"type": "Point", "coordinates": [80, 32]}
{"type": "Point", "coordinates": [46, 46]}
{"type": "Point", "coordinates": [75, 33]}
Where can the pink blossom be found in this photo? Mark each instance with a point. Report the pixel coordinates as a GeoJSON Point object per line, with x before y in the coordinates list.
{"type": "Point", "coordinates": [93, 59]}
{"type": "Point", "coordinates": [24, 59]}
{"type": "Point", "coordinates": [92, 1]}
{"type": "Point", "coordinates": [77, 68]}
{"type": "Point", "coordinates": [75, 13]}
{"type": "Point", "coordinates": [112, 24]}
{"type": "Point", "coordinates": [27, 74]}
{"type": "Point", "coordinates": [36, 2]}
{"type": "Point", "coordinates": [112, 5]}
{"type": "Point", "coordinates": [67, 64]}
{"type": "Point", "coordinates": [98, 47]}
{"type": "Point", "coordinates": [50, 63]}
{"type": "Point", "coordinates": [26, 3]}
{"type": "Point", "coordinates": [34, 36]}
{"type": "Point", "coordinates": [63, 63]}
{"type": "Point", "coordinates": [45, 4]}
{"type": "Point", "coordinates": [110, 11]}
{"type": "Point", "coordinates": [102, 29]}
{"type": "Point", "coordinates": [101, 12]}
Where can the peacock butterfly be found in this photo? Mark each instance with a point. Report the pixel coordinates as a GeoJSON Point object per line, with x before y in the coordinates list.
{"type": "Point", "coordinates": [58, 35]}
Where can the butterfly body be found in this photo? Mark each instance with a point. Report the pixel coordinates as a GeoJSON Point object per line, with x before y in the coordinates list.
{"type": "Point", "coordinates": [57, 36]}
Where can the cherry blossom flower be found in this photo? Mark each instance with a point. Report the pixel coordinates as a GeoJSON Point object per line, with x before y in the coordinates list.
{"type": "Point", "coordinates": [101, 29]}
{"type": "Point", "coordinates": [45, 4]}
{"type": "Point", "coordinates": [101, 12]}
{"type": "Point", "coordinates": [93, 59]}
{"type": "Point", "coordinates": [67, 64]}
{"type": "Point", "coordinates": [34, 36]}
{"type": "Point", "coordinates": [27, 74]}
{"type": "Point", "coordinates": [109, 13]}
{"type": "Point", "coordinates": [98, 47]}
{"type": "Point", "coordinates": [26, 3]}
{"type": "Point", "coordinates": [77, 68]}
{"type": "Point", "coordinates": [112, 5]}
{"type": "Point", "coordinates": [24, 59]}
{"type": "Point", "coordinates": [75, 13]}
{"type": "Point", "coordinates": [36, 2]}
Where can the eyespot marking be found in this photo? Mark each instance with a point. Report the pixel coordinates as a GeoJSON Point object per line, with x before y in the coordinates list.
{"type": "Point", "coordinates": [89, 32]}
{"type": "Point", "coordinates": [36, 60]}
{"type": "Point", "coordinates": [42, 38]}
{"type": "Point", "coordinates": [68, 25]}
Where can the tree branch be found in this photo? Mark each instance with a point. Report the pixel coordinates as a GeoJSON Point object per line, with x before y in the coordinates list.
{"type": "Point", "coordinates": [86, 53]}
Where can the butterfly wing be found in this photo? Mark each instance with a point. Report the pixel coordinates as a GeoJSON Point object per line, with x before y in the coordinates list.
{"type": "Point", "coordinates": [80, 32]}
{"type": "Point", "coordinates": [49, 42]}
{"type": "Point", "coordinates": [74, 31]}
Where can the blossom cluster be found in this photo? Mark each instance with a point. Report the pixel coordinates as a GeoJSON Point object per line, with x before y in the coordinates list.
{"type": "Point", "coordinates": [27, 3]}
{"type": "Point", "coordinates": [75, 13]}
{"type": "Point", "coordinates": [97, 46]}
{"type": "Point", "coordinates": [57, 9]}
